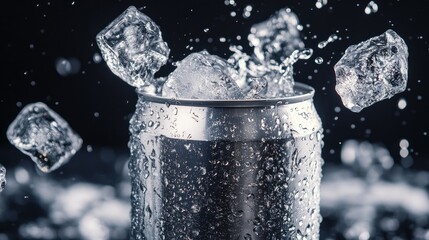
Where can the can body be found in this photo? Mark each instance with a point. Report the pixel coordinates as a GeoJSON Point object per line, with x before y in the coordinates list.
{"type": "Point", "coordinates": [226, 169]}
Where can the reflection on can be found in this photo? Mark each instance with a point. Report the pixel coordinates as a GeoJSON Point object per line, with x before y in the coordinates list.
{"type": "Point", "coordinates": [242, 169]}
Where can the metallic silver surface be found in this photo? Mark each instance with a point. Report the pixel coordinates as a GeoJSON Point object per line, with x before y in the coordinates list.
{"type": "Point", "coordinates": [236, 119]}
{"type": "Point", "coordinates": [247, 169]}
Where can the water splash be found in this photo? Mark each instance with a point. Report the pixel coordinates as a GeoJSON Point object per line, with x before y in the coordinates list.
{"type": "Point", "coordinates": [331, 38]}
{"type": "Point", "coordinates": [320, 3]}
{"type": "Point", "coordinates": [372, 7]}
{"type": "Point", "coordinates": [2, 177]}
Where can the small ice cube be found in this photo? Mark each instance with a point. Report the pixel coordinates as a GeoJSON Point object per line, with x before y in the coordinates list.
{"type": "Point", "coordinates": [202, 76]}
{"type": "Point", "coordinates": [43, 135]}
{"type": "Point", "coordinates": [372, 70]}
{"type": "Point", "coordinates": [2, 177]}
{"type": "Point", "coordinates": [133, 48]}
{"type": "Point", "coordinates": [277, 37]}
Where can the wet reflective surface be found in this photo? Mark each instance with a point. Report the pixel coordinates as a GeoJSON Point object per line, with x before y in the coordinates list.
{"type": "Point", "coordinates": [62, 66]}
{"type": "Point", "coordinates": [81, 203]}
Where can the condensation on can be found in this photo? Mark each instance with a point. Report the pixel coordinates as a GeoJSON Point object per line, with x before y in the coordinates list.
{"type": "Point", "coordinates": [241, 169]}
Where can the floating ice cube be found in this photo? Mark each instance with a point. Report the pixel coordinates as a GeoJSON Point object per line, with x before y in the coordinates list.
{"type": "Point", "coordinates": [372, 70]}
{"type": "Point", "coordinates": [133, 48]}
{"type": "Point", "coordinates": [202, 76]}
{"type": "Point", "coordinates": [43, 135]}
{"type": "Point", "coordinates": [277, 37]}
{"type": "Point", "coordinates": [2, 177]}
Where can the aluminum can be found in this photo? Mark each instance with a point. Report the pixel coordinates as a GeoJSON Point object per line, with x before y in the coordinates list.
{"type": "Point", "coordinates": [226, 169]}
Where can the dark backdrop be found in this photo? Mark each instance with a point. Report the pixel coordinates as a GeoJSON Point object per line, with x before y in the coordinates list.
{"type": "Point", "coordinates": [98, 105]}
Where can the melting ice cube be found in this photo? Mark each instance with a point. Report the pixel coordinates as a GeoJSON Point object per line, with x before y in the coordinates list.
{"type": "Point", "coordinates": [372, 70]}
{"type": "Point", "coordinates": [133, 48]}
{"type": "Point", "coordinates": [43, 135]}
{"type": "Point", "coordinates": [2, 177]}
{"type": "Point", "coordinates": [277, 37]}
{"type": "Point", "coordinates": [202, 76]}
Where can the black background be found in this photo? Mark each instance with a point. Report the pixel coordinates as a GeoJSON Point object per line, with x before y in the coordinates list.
{"type": "Point", "coordinates": [36, 33]}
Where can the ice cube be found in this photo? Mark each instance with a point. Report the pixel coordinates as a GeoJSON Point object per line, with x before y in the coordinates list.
{"type": "Point", "coordinates": [2, 177]}
{"type": "Point", "coordinates": [372, 70]}
{"type": "Point", "coordinates": [133, 48]}
{"type": "Point", "coordinates": [202, 76]}
{"type": "Point", "coordinates": [277, 37]}
{"type": "Point", "coordinates": [43, 135]}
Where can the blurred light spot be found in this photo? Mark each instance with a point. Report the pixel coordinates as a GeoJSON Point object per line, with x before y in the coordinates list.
{"type": "Point", "coordinates": [402, 103]}
{"type": "Point", "coordinates": [321, 3]}
{"type": "Point", "coordinates": [21, 175]}
{"type": "Point", "coordinates": [372, 7]}
{"type": "Point", "coordinates": [337, 109]}
{"type": "Point", "coordinates": [349, 151]}
{"type": "Point", "coordinates": [247, 11]}
{"type": "Point", "coordinates": [403, 152]}
{"type": "Point", "coordinates": [404, 143]}
{"type": "Point", "coordinates": [96, 58]}
{"type": "Point", "coordinates": [67, 67]}
{"type": "Point", "coordinates": [91, 228]}
{"type": "Point", "coordinates": [89, 148]}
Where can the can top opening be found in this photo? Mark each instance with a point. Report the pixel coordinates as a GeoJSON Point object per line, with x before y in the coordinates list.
{"type": "Point", "coordinates": [302, 92]}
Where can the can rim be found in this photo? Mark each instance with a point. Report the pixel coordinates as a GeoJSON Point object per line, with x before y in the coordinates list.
{"type": "Point", "coordinates": [303, 92]}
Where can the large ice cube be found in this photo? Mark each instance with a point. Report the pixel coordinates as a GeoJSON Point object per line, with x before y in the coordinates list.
{"type": "Point", "coordinates": [372, 70]}
{"type": "Point", "coordinates": [277, 37]}
{"type": "Point", "coordinates": [2, 177]}
{"type": "Point", "coordinates": [133, 48]}
{"type": "Point", "coordinates": [202, 76]}
{"type": "Point", "coordinates": [43, 135]}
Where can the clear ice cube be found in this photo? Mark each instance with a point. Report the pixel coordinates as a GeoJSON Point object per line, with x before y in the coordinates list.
{"type": "Point", "coordinates": [2, 177]}
{"type": "Point", "coordinates": [202, 76]}
{"type": "Point", "coordinates": [133, 48]}
{"type": "Point", "coordinates": [43, 135]}
{"type": "Point", "coordinates": [277, 37]}
{"type": "Point", "coordinates": [371, 71]}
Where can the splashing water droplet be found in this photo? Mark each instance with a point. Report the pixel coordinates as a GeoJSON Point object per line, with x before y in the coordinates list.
{"type": "Point", "coordinates": [372, 7]}
{"type": "Point", "coordinates": [247, 11]}
{"type": "Point", "coordinates": [318, 60]}
{"type": "Point", "coordinates": [331, 38]}
{"type": "Point", "coordinates": [97, 58]}
{"type": "Point", "coordinates": [66, 67]}
{"type": "Point", "coordinates": [402, 104]}
{"type": "Point", "coordinates": [2, 177]}
{"type": "Point", "coordinates": [321, 3]}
